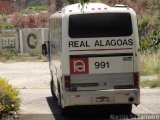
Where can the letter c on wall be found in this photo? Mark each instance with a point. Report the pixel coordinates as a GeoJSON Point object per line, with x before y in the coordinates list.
{"type": "Point", "coordinates": [32, 44]}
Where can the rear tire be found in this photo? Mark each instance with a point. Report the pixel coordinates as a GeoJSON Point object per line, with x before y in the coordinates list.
{"type": "Point", "coordinates": [125, 109]}
{"type": "Point", "coordinates": [64, 111]}
{"type": "Point", "coordinates": [52, 89]}
{"type": "Point", "coordinates": [128, 108]}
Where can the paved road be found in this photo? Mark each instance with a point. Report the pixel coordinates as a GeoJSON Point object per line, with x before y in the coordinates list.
{"type": "Point", "coordinates": [37, 104]}
{"type": "Point", "coordinates": [26, 74]}
{"type": "Point", "coordinates": [32, 79]}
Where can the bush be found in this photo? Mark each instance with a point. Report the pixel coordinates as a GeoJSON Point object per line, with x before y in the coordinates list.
{"type": "Point", "coordinates": [13, 56]}
{"type": "Point", "coordinates": [35, 9]}
{"type": "Point", "coordinates": [150, 63]}
{"type": "Point", "coordinates": [150, 83]}
{"type": "Point", "coordinates": [5, 23]}
{"type": "Point", "coordinates": [9, 98]}
{"type": "Point", "coordinates": [19, 20]}
{"type": "Point", "coordinates": [9, 56]}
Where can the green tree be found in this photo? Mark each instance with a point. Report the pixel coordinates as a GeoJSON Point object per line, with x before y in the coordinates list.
{"type": "Point", "coordinates": [84, 1]}
{"type": "Point", "coordinates": [72, 1]}
{"type": "Point", "coordinates": [75, 1]}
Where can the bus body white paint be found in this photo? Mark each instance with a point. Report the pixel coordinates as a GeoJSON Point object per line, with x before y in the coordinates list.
{"type": "Point", "coordinates": [100, 67]}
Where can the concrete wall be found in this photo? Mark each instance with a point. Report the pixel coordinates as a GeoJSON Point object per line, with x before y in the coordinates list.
{"type": "Point", "coordinates": [23, 41]}
{"type": "Point", "coordinates": [32, 41]}
{"type": "Point", "coordinates": [9, 40]}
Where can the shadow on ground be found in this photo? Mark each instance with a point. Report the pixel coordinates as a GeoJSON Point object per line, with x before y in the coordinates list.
{"type": "Point", "coordinates": [84, 114]}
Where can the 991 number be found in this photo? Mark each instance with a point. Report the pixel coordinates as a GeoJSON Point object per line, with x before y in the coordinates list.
{"type": "Point", "coordinates": [101, 65]}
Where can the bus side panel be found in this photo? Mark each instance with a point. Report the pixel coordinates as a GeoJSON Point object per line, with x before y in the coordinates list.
{"type": "Point", "coordinates": [55, 37]}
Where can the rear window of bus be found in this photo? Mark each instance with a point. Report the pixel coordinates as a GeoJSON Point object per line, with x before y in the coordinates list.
{"type": "Point", "coordinates": [100, 25]}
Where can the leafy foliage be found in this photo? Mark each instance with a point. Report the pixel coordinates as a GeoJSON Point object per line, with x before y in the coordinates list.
{"type": "Point", "coordinates": [150, 63]}
{"type": "Point", "coordinates": [4, 23]}
{"type": "Point", "coordinates": [9, 98]}
{"type": "Point", "coordinates": [148, 12]}
{"type": "Point", "coordinates": [150, 83]}
{"type": "Point", "coordinates": [19, 20]}
{"type": "Point", "coordinates": [84, 1]}
{"type": "Point", "coordinates": [35, 9]}
{"type": "Point", "coordinates": [14, 56]}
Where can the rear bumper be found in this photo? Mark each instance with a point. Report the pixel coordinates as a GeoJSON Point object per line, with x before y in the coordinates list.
{"type": "Point", "coordinates": [102, 97]}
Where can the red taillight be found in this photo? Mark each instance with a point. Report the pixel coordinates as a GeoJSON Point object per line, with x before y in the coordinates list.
{"type": "Point", "coordinates": [136, 79]}
{"type": "Point", "coordinates": [67, 82]}
{"type": "Point", "coordinates": [127, 94]}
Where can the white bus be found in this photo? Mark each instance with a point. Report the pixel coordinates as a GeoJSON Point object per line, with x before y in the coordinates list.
{"type": "Point", "coordinates": [93, 55]}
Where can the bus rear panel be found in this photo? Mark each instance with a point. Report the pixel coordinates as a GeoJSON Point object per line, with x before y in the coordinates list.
{"type": "Point", "coordinates": [100, 63]}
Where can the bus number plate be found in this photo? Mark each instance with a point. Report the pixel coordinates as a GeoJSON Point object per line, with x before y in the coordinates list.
{"type": "Point", "coordinates": [102, 99]}
{"type": "Point", "coordinates": [102, 65]}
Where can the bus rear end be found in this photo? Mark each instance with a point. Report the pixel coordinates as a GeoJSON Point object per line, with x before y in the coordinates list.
{"type": "Point", "coordinates": [102, 66]}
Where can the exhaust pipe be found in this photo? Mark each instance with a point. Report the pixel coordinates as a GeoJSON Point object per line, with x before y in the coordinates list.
{"type": "Point", "coordinates": [131, 99]}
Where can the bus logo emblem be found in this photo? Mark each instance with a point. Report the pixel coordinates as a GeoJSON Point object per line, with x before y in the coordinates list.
{"type": "Point", "coordinates": [79, 66]}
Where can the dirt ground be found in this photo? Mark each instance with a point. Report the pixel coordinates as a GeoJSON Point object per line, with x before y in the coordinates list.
{"type": "Point", "coordinates": [32, 79]}
{"type": "Point", "coordinates": [30, 75]}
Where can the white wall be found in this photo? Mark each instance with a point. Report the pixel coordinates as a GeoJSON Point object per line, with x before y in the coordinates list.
{"type": "Point", "coordinates": [24, 41]}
